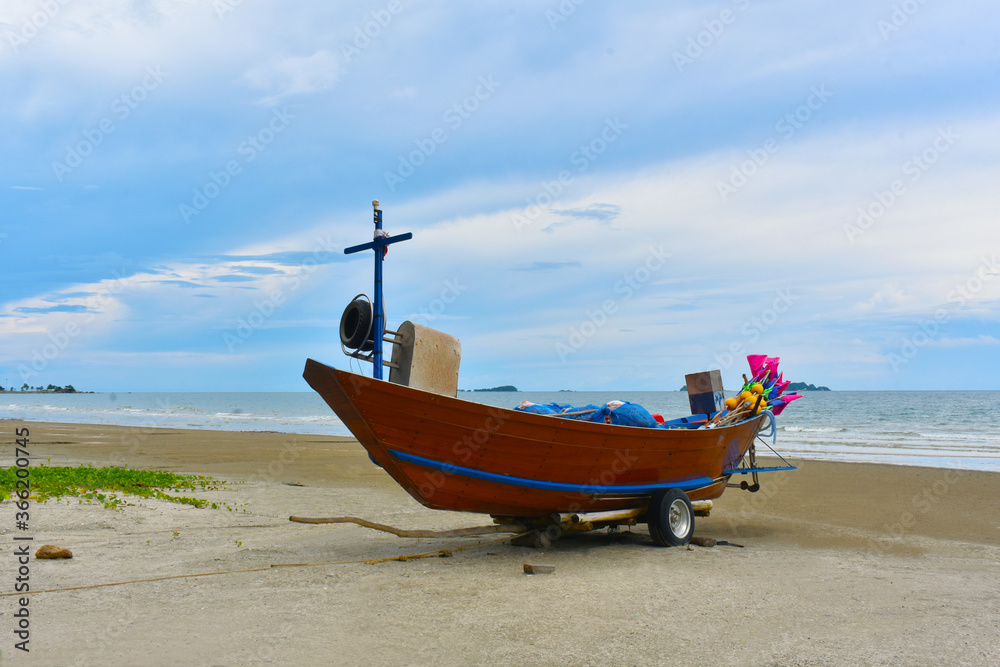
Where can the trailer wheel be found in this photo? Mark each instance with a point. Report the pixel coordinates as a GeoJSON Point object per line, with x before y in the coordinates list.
{"type": "Point", "coordinates": [670, 518]}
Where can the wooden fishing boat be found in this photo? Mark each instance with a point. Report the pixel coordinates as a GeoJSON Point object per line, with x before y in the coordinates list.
{"type": "Point", "coordinates": [452, 454]}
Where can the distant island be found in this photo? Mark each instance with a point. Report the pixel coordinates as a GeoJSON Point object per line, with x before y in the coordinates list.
{"type": "Point", "coordinates": [51, 389]}
{"type": "Point", "coordinates": [794, 386]}
{"type": "Point", "coordinates": [802, 386]}
{"type": "Point", "coordinates": [506, 387]}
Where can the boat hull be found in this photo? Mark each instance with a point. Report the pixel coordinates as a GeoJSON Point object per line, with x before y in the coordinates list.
{"type": "Point", "coordinates": [458, 455]}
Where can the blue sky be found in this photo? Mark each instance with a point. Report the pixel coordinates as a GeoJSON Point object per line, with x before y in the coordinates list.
{"type": "Point", "coordinates": [602, 195]}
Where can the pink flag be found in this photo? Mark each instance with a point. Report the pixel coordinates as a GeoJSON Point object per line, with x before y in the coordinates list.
{"type": "Point", "coordinates": [784, 401]}
{"type": "Point", "coordinates": [756, 362]}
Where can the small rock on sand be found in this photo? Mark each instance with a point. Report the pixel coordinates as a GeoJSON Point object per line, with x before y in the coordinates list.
{"type": "Point", "coordinates": [530, 568]}
{"type": "Point", "coordinates": [52, 551]}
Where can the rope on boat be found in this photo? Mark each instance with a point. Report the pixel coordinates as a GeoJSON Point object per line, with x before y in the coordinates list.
{"type": "Point", "coordinates": [772, 430]}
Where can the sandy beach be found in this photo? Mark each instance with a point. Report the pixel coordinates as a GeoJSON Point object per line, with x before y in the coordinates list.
{"type": "Point", "coordinates": [841, 563]}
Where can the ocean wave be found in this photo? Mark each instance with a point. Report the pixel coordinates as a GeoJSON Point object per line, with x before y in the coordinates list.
{"type": "Point", "coordinates": [935, 459]}
{"type": "Point", "coordinates": [163, 409]}
{"type": "Point", "coordinates": [811, 429]}
{"type": "Point", "coordinates": [950, 430]}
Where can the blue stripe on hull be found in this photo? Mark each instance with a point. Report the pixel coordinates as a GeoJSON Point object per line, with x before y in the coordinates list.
{"type": "Point", "coordinates": [589, 489]}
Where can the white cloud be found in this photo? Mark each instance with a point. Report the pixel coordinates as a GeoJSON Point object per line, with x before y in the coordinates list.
{"type": "Point", "coordinates": [982, 339]}
{"type": "Point", "coordinates": [783, 229]}
{"type": "Point", "coordinates": [887, 298]}
{"type": "Point", "coordinates": [292, 75]}
{"type": "Point", "coordinates": [407, 93]}
{"type": "Point", "coordinates": [159, 298]}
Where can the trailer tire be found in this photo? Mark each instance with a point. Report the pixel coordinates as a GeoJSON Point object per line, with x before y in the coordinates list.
{"type": "Point", "coordinates": [670, 518]}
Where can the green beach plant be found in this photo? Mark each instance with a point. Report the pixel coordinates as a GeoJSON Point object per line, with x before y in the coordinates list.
{"type": "Point", "coordinates": [107, 485]}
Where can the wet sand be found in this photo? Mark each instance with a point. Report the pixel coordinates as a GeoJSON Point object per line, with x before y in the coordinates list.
{"type": "Point", "coordinates": [840, 563]}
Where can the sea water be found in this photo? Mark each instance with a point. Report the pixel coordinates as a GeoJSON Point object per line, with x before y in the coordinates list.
{"type": "Point", "coordinates": [948, 429]}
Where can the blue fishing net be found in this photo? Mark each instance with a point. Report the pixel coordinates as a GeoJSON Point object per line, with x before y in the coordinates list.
{"type": "Point", "coordinates": [626, 414]}
{"type": "Point", "coordinates": [539, 409]}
